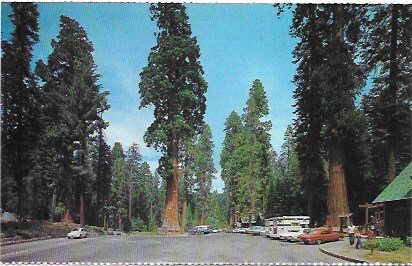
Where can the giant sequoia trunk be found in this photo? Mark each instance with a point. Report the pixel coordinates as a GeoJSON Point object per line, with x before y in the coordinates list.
{"type": "Point", "coordinates": [337, 191]}
{"type": "Point", "coordinates": [171, 218]}
{"type": "Point", "coordinates": [231, 217]}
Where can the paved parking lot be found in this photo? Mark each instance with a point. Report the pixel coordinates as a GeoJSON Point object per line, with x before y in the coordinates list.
{"type": "Point", "coordinates": [221, 247]}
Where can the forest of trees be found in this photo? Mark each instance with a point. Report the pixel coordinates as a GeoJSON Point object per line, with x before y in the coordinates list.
{"type": "Point", "coordinates": [56, 164]}
{"type": "Point", "coordinates": [350, 137]}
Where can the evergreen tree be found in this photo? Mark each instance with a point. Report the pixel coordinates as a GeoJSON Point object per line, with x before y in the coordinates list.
{"type": "Point", "coordinates": [229, 163]}
{"type": "Point", "coordinates": [387, 52]}
{"type": "Point", "coordinates": [102, 166]}
{"type": "Point", "coordinates": [309, 55]}
{"type": "Point", "coordinates": [173, 82]}
{"type": "Point", "coordinates": [286, 195]}
{"type": "Point", "coordinates": [75, 104]}
{"type": "Point", "coordinates": [19, 109]}
{"type": "Point", "coordinates": [257, 142]}
{"type": "Point", "coordinates": [119, 189]}
{"type": "Point", "coordinates": [204, 170]}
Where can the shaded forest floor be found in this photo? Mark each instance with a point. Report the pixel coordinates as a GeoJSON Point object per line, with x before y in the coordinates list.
{"type": "Point", "coordinates": [40, 229]}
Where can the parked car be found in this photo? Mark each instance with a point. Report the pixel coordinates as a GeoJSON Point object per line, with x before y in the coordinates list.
{"type": "Point", "coordinates": [254, 230]}
{"type": "Point", "coordinates": [319, 236]}
{"type": "Point", "coordinates": [110, 231]}
{"type": "Point", "coordinates": [242, 230]}
{"type": "Point", "coordinates": [202, 229]}
{"type": "Point", "coordinates": [215, 230]}
{"type": "Point", "coordinates": [236, 230]}
{"type": "Point", "coordinates": [77, 233]}
{"type": "Point", "coordinates": [293, 233]}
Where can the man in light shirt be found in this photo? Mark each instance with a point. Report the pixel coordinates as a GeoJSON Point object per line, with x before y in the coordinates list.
{"type": "Point", "coordinates": [351, 231]}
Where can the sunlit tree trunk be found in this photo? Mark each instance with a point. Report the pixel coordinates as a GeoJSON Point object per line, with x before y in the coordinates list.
{"type": "Point", "coordinates": [171, 219]}
{"type": "Point", "coordinates": [337, 191]}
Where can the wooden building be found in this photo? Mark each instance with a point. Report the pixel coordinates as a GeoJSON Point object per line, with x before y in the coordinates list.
{"type": "Point", "coordinates": [396, 199]}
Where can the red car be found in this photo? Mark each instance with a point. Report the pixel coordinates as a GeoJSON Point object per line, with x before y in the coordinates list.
{"type": "Point", "coordinates": [319, 236]}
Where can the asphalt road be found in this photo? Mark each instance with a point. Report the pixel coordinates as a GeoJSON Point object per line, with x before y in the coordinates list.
{"type": "Point", "coordinates": [221, 247]}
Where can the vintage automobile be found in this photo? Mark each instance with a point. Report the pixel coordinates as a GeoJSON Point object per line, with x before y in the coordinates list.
{"type": "Point", "coordinates": [293, 233]}
{"type": "Point", "coordinates": [319, 236]}
{"type": "Point", "coordinates": [77, 233]}
{"type": "Point", "coordinates": [254, 230]}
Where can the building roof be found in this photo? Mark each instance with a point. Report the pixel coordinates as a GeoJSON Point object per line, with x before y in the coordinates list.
{"type": "Point", "coordinates": [400, 188]}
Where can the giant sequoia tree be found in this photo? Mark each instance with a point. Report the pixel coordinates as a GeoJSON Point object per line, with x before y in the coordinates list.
{"type": "Point", "coordinates": [72, 104]}
{"type": "Point", "coordinates": [342, 79]}
{"type": "Point", "coordinates": [18, 108]}
{"type": "Point", "coordinates": [328, 78]}
{"type": "Point", "coordinates": [173, 82]}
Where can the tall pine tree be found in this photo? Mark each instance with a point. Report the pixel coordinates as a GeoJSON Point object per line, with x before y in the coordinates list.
{"type": "Point", "coordinates": [74, 105]}
{"type": "Point", "coordinates": [204, 170]}
{"type": "Point", "coordinates": [19, 107]}
{"type": "Point", "coordinates": [387, 52]}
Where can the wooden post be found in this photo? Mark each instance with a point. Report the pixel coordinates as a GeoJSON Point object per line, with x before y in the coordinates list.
{"type": "Point", "coordinates": [366, 215]}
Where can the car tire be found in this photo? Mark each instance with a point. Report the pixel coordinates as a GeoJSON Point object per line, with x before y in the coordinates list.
{"type": "Point", "coordinates": [318, 242]}
{"type": "Point", "coordinates": [68, 237]}
{"type": "Point", "coordinates": [340, 238]}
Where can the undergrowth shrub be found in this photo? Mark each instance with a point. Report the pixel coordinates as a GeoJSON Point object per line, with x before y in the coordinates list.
{"type": "Point", "coordinates": [390, 244]}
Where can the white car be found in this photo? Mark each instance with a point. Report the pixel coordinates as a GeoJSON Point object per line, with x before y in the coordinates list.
{"type": "Point", "coordinates": [77, 233]}
{"type": "Point", "coordinates": [293, 233]}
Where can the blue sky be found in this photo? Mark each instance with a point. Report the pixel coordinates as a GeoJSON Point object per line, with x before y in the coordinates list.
{"type": "Point", "coordinates": [238, 42]}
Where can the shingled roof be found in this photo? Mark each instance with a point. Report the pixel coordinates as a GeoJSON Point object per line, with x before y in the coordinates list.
{"type": "Point", "coordinates": [400, 188]}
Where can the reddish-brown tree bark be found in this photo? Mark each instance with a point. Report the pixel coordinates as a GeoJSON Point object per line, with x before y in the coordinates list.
{"type": "Point", "coordinates": [337, 192]}
{"type": "Point", "coordinates": [171, 218]}
{"type": "Point", "coordinates": [231, 218]}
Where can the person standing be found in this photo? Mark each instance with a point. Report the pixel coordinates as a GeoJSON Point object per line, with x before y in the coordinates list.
{"type": "Point", "coordinates": [358, 237]}
{"type": "Point", "coordinates": [351, 231]}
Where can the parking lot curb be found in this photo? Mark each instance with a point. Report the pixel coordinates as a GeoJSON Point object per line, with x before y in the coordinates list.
{"type": "Point", "coordinates": [343, 257]}
{"type": "Point", "coordinates": [8, 243]}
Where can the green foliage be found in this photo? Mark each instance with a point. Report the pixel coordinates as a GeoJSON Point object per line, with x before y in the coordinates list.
{"type": "Point", "coordinates": [173, 83]}
{"type": "Point", "coordinates": [173, 62]}
{"type": "Point", "coordinates": [371, 244]}
{"type": "Point", "coordinates": [59, 209]}
{"type": "Point", "coordinates": [390, 244]}
{"type": "Point", "coordinates": [386, 244]}
{"type": "Point", "coordinates": [138, 224]}
{"type": "Point", "coordinates": [204, 168]}
{"type": "Point", "coordinates": [408, 241]}
{"type": "Point", "coordinates": [387, 103]}
{"type": "Point", "coordinates": [19, 108]}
